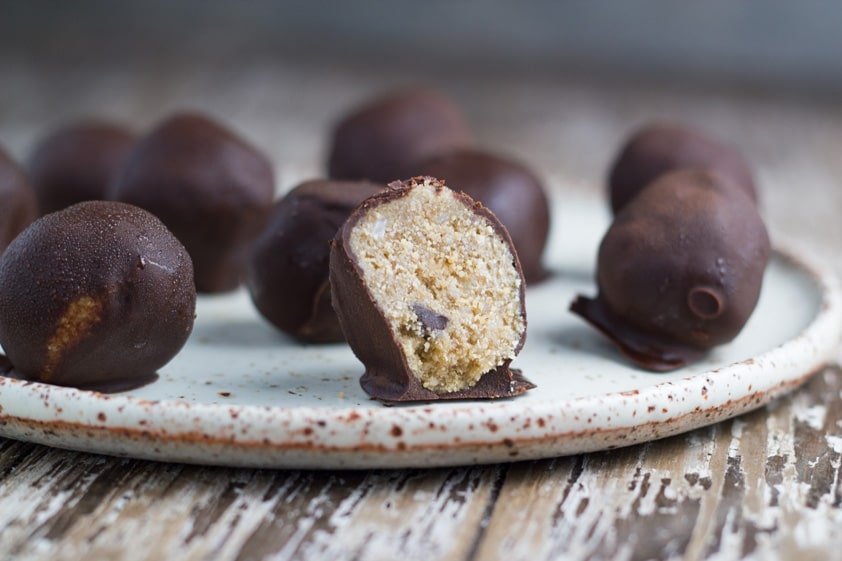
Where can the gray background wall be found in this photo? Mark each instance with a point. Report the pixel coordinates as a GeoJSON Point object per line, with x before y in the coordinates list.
{"type": "Point", "coordinates": [754, 43]}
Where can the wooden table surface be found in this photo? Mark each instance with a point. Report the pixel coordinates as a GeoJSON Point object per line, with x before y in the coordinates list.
{"type": "Point", "coordinates": [763, 486]}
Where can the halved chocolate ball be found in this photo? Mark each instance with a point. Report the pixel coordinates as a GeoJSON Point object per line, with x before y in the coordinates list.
{"type": "Point", "coordinates": [510, 190]}
{"type": "Point", "coordinates": [660, 148]}
{"type": "Point", "coordinates": [18, 207]}
{"type": "Point", "coordinates": [100, 293]}
{"type": "Point", "coordinates": [386, 139]}
{"type": "Point", "coordinates": [208, 186]}
{"type": "Point", "coordinates": [288, 267]}
{"type": "Point", "coordinates": [679, 271]}
{"type": "Point", "coordinates": [430, 295]}
{"type": "Point", "coordinates": [78, 163]}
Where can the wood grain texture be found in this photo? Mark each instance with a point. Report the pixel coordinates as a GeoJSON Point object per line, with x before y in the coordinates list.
{"type": "Point", "coordinates": [764, 486]}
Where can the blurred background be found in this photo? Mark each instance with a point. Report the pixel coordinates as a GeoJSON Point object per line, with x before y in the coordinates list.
{"type": "Point", "coordinates": [557, 84]}
{"type": "Point", "coordinates": [756, 42]}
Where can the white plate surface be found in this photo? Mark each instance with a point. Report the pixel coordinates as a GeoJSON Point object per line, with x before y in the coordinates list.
{"type": "Point", "coordinates": [242, 394]}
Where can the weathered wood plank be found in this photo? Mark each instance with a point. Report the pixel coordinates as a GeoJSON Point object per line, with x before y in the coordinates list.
{"type": "Point", "coordinates": [758, 486]}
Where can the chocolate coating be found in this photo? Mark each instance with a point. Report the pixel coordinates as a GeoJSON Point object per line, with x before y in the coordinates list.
{"type": "Point", "coordinates": [387, 374]}
{"type": "Point", "coordinates": [18, 207]}
{"type": "Point", "coordinates": [78, 163]}
{"type": "Point", "coordinates": [510, 190]}
{"type": "Point", "coordinates": [288, 266]}
{"type": "Point", "coordinates": [661, 148]}
{"type": "Point", "coordinates": [389, 137]}
{"type": "Point", "coordinates": [98, 293]}
{"type": "Point", "coordinates": [679, 271]}
{"type": "Point", "coordinates": [208, 186]}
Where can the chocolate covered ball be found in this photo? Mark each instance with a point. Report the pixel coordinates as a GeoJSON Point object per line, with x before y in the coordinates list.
{"type": "Point", "coordinates": [97, 294]}
{"type": "Point", "coordinates": [509, 190]}
{"type": "Point", "coordinates": [78, 163]}
{"type": "Point", "coordinates": [430, 295]}
{"type": "Point", "coordinates": [288, 268]}
{"type": "Point", "coordinates": [18, 207]}
{"type": "Point", "coordinates": [679, 271]}
{"type": "Point", "coordinates": [208, 186]}
{"type": "Point", "coordinates": [388, 138]}
{"type": "Point", "coordinates": [661, 148]}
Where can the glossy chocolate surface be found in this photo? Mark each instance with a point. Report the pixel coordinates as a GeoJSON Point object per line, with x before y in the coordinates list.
{"type": "Point", "coordinates": [386, 139]}
{"type": "Point", "coordinates": [208, 186]}
{"type": "Point", "coordinates": [288, 266]}
{"type": "Point", "coordinates": [98, 294]}
{"type": "Point", "coordinates": [679, 271]}
{"type": "Point", "coordinates": [660, 148]}
{"type": "Point", "coordinates": [78, 163]}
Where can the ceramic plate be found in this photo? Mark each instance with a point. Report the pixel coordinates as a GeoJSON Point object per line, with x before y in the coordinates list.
{"type": "Point", "coordinates": [242, 394]}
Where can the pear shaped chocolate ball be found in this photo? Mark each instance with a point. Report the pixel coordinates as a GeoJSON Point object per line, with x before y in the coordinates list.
{"type": "Point", "coordinates": [660, 148]}
{"type": "Point", "coordinates": [210, 187]}
{"type": "Point", "coordinates": [508, 189]}
{"type": "Point", "coordinates": [387, 138]}
{"type": "Point", "coordinates": [288, 267]}
{"type": "Point", "coordinates": [18, 207]}
{"type": "Point", "coordinates": [679, 271]}
{"type": "Point", "coordinates": [78, 163]}
{"type": "Point", "coordinates": [98, 294]}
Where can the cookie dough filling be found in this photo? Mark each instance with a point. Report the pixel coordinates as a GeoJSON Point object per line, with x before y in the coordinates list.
{"type": "Point", "coordinates": [447, 283]}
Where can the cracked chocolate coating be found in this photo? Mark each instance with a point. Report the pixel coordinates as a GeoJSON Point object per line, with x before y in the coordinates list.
{"type": "Point", "coordinates": [387, 375]}
{"type": "Point", "coordinates": [509, 190]}
{"type": "Point", "coordinates": [288, 267]}
{"type": "Point", "coordinates": [660, 148]}
{"type": "Point", "coordinates": [386, 139]}
{"type": "Point", "coordinates": [18, 207]}
{"type": "Point", "coordinates": [679, 271]}
{"type": "Point", "coordinates": [208, 186]}
{"type": "Point", "coordinates": [78, 163]}
{"type": "Point", "coordinates": [98, 294]}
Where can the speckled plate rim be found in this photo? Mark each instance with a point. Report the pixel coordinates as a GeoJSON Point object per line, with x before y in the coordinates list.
{"type": "Point", "coordinates": [422, 435]}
